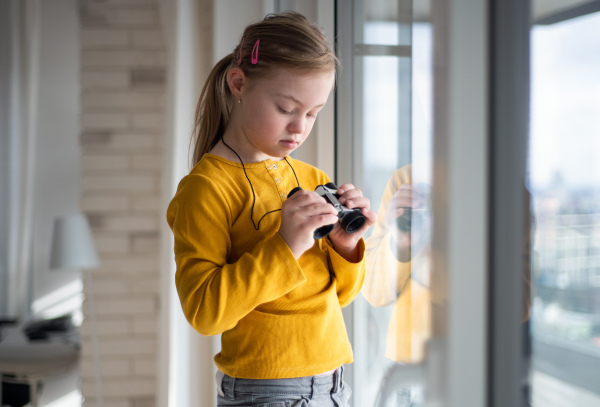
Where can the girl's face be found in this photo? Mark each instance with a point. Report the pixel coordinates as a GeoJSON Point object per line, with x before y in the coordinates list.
{"type": "Point", "coordinates": [277, 112]}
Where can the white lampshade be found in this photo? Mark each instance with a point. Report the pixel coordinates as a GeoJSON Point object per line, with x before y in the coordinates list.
{"type": "Point", "coordinates": [72, 244]}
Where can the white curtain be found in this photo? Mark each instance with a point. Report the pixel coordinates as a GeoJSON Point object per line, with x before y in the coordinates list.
{"type": "Point", "coordinates": [19, 42]}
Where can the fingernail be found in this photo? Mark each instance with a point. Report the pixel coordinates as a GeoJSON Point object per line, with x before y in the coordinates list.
{"type": "Point", "coordinates": [350, 202]}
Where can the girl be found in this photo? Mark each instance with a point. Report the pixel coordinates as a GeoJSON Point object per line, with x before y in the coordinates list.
{"type": "Point", "coordinates": [248, 266]}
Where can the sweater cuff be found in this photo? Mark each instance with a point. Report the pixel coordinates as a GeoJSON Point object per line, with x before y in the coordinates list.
{"type": "Point", "coordinates": [283, 256]}
{"type": "Point", "coordinates": [349, 276]}
{"type": "Point", "coordinates": [338, 260]}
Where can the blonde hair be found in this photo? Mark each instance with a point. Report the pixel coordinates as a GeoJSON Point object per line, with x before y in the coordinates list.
{"type": "Point", "coordinates": [287, 40]}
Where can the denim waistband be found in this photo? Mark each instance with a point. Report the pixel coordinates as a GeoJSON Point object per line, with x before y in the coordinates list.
{"type": "Point", "coordinates": [307, 386]}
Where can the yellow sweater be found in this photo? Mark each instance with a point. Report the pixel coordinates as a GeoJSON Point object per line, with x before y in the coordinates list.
{"type": "Point", "coordinates": [279, 317]}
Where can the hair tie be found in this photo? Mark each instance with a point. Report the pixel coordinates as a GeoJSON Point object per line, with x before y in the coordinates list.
{"type": "Point", "coordinates": [239, 61]}
{"type": "Point", "coordinates": [255, 52]}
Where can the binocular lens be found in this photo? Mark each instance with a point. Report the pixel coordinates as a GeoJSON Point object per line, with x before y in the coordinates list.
{"type": "Point", "coordinates": [353, 221]}
{"type": "Point", "coordinates": [323, 231]}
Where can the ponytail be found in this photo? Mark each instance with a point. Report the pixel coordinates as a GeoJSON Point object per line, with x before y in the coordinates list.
{"type": "Point", "coordinates": [287, 40]}
{"type": "Point", "coordinates": [212, 111]}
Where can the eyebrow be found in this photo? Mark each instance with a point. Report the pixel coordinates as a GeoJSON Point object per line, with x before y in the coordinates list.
{"type": "Point", "coordinates": [295, 100]}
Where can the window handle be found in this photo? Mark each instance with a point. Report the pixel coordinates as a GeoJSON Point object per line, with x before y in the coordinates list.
{"type": "Point", "coordinates": [430, 374]}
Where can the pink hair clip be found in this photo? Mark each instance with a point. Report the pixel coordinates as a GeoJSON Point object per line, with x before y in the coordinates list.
{"type": "Point", "coordinates": [255, 53]}
{"type": "Point", "coordinates": [239, 61]}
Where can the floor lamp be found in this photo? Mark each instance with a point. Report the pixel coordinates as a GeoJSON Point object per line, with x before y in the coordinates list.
{"type": "Point", "coordinates": [73, 248]}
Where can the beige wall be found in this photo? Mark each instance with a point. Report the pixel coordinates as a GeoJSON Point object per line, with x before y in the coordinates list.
{"type": "Point", "coordinates": [123, 83]}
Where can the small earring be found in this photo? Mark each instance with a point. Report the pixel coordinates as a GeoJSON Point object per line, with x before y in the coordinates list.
{"type": "Point", "coordinates": [239, 100]}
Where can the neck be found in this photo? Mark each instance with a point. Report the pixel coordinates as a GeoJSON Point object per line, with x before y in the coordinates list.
{"type": "Point", "coordinates": [233, 149]}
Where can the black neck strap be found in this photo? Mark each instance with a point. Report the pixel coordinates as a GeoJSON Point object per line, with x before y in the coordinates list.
{"type": "Point", "coordinates": [257, 226]}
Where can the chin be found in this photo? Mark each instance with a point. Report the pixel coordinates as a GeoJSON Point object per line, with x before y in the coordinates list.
{"type": "Point", "coordinates": [281, 154]}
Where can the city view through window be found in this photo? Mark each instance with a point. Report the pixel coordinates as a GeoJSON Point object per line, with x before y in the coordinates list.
{"type": "Point", "coordinates": [564, 181]}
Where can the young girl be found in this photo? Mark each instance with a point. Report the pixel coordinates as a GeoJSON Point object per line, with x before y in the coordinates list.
{"type": "Point", "coordinates": [248, 266]}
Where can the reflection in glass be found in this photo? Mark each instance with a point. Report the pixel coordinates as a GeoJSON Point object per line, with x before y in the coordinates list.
{"type": "Point", "coordinates": [565, 184]}
{"type": "Point", "coordinates": [396, 167]}
{"type": "Point", "coordinates": [379, 17]}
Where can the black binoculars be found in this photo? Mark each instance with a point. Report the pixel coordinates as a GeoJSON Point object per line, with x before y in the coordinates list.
{"type": "Point", "coordinates": [350, 219]}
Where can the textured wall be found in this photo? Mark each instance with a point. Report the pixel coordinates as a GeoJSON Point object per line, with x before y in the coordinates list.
{"type": "Point", "coordinates": [123, 84]}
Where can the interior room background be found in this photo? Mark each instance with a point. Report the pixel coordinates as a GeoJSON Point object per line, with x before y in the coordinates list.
{"type": "Point", "coordinates": [96, 109]}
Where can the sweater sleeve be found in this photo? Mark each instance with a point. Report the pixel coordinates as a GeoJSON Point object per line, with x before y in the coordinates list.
{"type": "Point", "coordinates": [215, 294]}
{"type": "Point", "coordinates": [349, 277]}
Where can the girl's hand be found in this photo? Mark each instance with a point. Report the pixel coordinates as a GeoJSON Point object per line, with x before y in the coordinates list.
{"type": "Point", "coordinates": [405, 227]}
{"type": "Point", "coordinates": [345, 243]}
{"type": "Point", "coordinates": [301, 215]}
{"type": "Point", "coordinates": [405, 197]}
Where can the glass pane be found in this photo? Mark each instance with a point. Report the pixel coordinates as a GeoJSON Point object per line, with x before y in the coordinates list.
{"type": "Point", "coordinates": [394, 113]}
{"type": "Point", "coordinates": [564, 173]}
{"type": "Point", "coordinates": [390, 18]}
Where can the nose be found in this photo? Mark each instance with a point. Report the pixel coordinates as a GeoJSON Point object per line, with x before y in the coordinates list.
{"type": "Point", "coordinates": [297, 126]}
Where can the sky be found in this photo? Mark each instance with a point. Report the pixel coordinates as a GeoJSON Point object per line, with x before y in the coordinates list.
{"type": "Point", "coordinates": [565, 103]}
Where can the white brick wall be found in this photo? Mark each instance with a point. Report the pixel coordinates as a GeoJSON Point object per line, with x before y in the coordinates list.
{"type": "Point", "coordinates": [100, 120]}
{"type": "Point", "coordinates": [137, 17]}
{"type": "Point", "coordinates": [147, 162]}
{"type": "Point", "coordinates": [120, 182]}
{"type": "Point", "coordinates": [113, 243]}
{"type": "Point", "coordinates": [110, 367]}
{"type": "Point", "coordinates": [105, 79]}
{"type": "Point", "coordinates": [147, 38]}
{"type": "Point", "coordinates": [94, 203]}
{"type": "Point", "coordinates": [122, 389]}
{"type": "Point", "coordinates": [103, 37]}
{"type": "Point", "coordinates": [105, 162]}
{"type": "Point", "coordinates": [122, 59]}
{"type": "Point", "coordinates": [124, 101]}
{"type": "Point", "coordinates": [131, 223]}
{"type": "Point", "coordinates": [122, 127]}
{"type": "Point", "coordinates": [145, 203]}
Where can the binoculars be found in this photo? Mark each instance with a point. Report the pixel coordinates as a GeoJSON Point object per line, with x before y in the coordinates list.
{"type": "Point", "coordinates": [350, 219]}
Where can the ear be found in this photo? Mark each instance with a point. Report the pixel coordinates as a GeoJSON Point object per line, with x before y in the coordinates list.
{"type": "Point", "coordinates": [236, 80]}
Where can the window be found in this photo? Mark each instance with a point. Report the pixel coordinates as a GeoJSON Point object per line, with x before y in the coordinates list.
{"type": "Point", "coordinates": [564, 179]}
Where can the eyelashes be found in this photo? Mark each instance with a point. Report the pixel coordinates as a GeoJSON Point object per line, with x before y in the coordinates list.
{"type": "Point", "coordinates": [287, 112]}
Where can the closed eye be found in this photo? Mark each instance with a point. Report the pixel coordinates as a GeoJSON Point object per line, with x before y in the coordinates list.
{"type": "Point", "coordinates": [288, 112]}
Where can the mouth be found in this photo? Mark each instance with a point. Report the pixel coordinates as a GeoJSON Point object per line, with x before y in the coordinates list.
{"type": "Point", "coordinates": [290, 143]}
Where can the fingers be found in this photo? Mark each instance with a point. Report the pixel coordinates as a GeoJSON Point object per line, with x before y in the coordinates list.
{"type": "Point", "coordinates": [301, 215]}
{"type": "Point", "coordinates": [404, 198]}
{"type": "Point", "coordinates": [371, 218]}
{"type": "Point", "coordinates": [351, 197]}
{"type": "Point", "coordinates": [311, 203]}
{"type": "Point", "coordinates": [307, 210]}
{"type": "Point", "coordinates": [399, 211]}
{"type": "Point", "coordinates": [408, 197]}
{"type": "Point", "coordinates": [306, 204]}
{"type": "Point", "coordinates": [393, 211]}
{"type": "Point", "coordinates": [346, 187]}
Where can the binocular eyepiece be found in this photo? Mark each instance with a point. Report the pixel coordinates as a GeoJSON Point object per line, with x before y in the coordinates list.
{"type": "Point", "coordinates": [350, 219]}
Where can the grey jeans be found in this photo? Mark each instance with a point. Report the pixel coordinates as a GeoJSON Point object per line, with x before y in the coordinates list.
{"type": "Point", "coordinates": [310, 391]}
